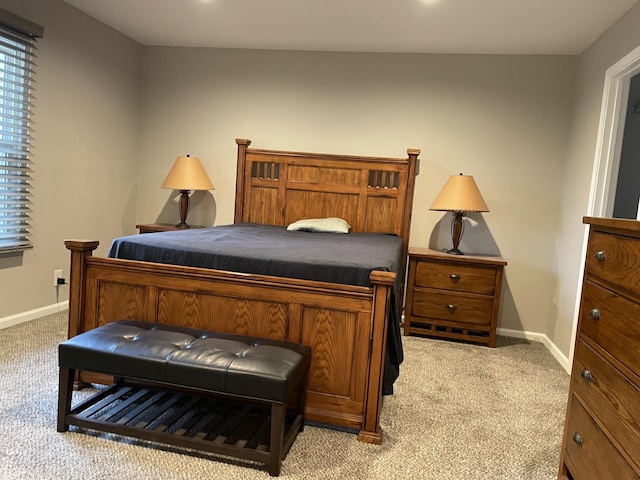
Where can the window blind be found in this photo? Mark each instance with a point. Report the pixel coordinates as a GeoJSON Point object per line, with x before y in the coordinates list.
{"type": "Point", "coordinates": [17, 47]}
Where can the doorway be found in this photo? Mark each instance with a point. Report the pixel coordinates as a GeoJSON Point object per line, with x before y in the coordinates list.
{"type": "Point", "coordinates": [611, 133]}
{"type": "Point", "coordinates": [627, 193]}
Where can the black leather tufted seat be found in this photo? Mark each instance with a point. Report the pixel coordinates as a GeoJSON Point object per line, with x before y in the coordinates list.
{"type": "Point", "coordinates": [225, 363]}
{"type": "Point", "coordinates": [233, 365]}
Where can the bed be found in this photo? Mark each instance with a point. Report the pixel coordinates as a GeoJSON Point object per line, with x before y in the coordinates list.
{"type": "Point", "coordinates": [348, 323]}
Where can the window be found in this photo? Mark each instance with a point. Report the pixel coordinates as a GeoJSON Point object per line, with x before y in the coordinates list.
{"type": "Point", "coordinates": [17, 45]}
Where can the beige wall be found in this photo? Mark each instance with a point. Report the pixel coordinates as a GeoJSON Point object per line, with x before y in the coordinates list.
{"type": "Point", "coordinates": [85, 144]}
{"type": "Point", "coordinates": [614, 44]}
{"type": "Point", "coordinates": [503, 119]}
{"type": "Point", "coordinates": [112, 116]}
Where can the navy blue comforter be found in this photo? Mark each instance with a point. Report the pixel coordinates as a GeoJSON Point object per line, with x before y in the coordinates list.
{"type": "Point", "coordinates": [272, 250]}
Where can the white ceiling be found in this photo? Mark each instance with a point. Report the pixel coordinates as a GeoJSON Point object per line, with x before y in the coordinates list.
{"type": "Point", "coordinates": [428, 26]}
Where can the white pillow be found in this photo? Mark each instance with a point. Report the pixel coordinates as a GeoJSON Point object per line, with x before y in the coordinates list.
{"type": "Point", "coordinates": [331, 224]}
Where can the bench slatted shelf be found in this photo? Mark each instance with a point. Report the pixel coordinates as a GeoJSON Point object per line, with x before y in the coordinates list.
{"type": "Point", "coordinates": [235, 419]}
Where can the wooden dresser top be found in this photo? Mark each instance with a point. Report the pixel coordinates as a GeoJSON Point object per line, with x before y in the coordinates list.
{"type": "Point", "coordinates": [628, 225]}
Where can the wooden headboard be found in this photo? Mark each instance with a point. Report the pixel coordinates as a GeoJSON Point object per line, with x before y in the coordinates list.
{"type": "Point", "coordinates": [373, 194]}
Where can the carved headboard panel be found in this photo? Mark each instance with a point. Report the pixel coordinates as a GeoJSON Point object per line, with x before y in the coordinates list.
{"type": "Point", "coordinates": [373, 194]}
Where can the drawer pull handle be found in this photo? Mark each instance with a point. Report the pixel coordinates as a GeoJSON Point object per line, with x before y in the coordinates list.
{"type": "Point", "coordinates": [454, 277]}
{"type": "Point", "coordinates": [577, 438]}
{"type": "Point", "coordinates": [595, 313]}
{"type": "Point", "coordinates": [586, 374]}
{"type": "Point", "coordinates": [451, 307]}
{"type": "Point", "coordinates": [600, 256]}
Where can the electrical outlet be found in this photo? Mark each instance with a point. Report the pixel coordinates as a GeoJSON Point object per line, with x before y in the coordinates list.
{"type": "Point", "coordinates": [56, 275]}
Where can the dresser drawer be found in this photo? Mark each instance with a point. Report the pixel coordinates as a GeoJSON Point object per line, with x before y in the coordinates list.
{"type": "Point", "coordinates": [613, 398]}
{"type": "Point", "coordinates": [613, 322]}
{"type": "Point", "coordinates": [455, 277]}
{"type": "Point", "coordinates": [456, 307]}
{"type": "Point", "coordinates": [591, 454]}
{"type": "Point", "coordinates": [615, 259]}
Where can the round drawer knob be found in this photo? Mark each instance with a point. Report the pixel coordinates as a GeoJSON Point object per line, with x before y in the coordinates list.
{"type": "Point", "coordinates": [454, 277]}
{"type": "Point", "coordinates": [577, 438]}
{"type": "Point", "coordinates": [451, 307]}
{"type": "Point", "coordinates": [595, 313]}
{"type": "Point", "coordinates": [600, 256]}
{"type": "Point", "coordinates": [586, 374]}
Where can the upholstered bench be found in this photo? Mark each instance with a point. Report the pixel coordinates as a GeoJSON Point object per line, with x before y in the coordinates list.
{"type": "Point", "coordinates": [222, 393]}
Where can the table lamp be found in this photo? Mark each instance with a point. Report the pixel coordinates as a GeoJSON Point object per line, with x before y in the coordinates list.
{"type": "Point", "coordinates": [459, 195]}
{"type": "Point", "coordinates": [187, 174]}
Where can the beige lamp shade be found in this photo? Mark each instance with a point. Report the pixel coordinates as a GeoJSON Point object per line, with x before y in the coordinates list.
{"type": "Point", "coordinates": [460, 194]}
{"type": "Point", "coordinates": [187, 173]}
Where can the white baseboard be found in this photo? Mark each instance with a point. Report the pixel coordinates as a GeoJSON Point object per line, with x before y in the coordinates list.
{"type": "Point", "coordinates": [33, 314]}
{"type": "Point", "coordinates": [539, 337]}
{"type": "Point", "coordinates": [536, 337]}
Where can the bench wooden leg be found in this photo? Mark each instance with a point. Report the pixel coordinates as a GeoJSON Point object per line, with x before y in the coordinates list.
{"type": "Point", "coordinates": [278, 411]}
{"type": "Point", "coordinates": [65, 391]}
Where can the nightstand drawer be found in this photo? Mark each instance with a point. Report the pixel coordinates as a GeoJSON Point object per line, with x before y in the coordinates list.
{"type": "Point", "coordinates": [612, 397]}
{"type": "Point", "coordinates": [459, 308]}
{"type": "Point", "coordinates": [590, 452]}
{"type": "Point", "coordinates": [456, 277]}
{"type": "Point", "coordinates": [613, 322]}
{"type": "Point", "coordinates": [615, 259]}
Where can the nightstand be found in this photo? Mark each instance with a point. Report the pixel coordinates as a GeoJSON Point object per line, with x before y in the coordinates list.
{"type": "Point", "coordinates": [455, 297]}
{"type": "Point", "coordinates": [162, 227]}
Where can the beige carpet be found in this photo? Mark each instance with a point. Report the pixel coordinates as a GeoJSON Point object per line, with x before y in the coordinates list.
{"type": "Point", "coordinates": [459, 412]}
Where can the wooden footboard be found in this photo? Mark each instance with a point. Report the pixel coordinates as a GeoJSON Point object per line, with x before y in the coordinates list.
{"type": "Point", "coordinates": [346, 326]}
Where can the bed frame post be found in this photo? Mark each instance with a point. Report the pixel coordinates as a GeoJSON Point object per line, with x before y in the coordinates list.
{"type": "Point", "coordinates": [382, 283]}
{"type": "Point", "coordinates": [80, 250]}
{"type": "Point", "coordinates": [243, 144]}
{"type": "Point", "coordinates": [414, 169]}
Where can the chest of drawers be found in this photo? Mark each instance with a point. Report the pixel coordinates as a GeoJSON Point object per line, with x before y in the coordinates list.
{"type": "Point", "coordinates": [602, 428]}
{"type": "Point", "coordinates": [453, 296]}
